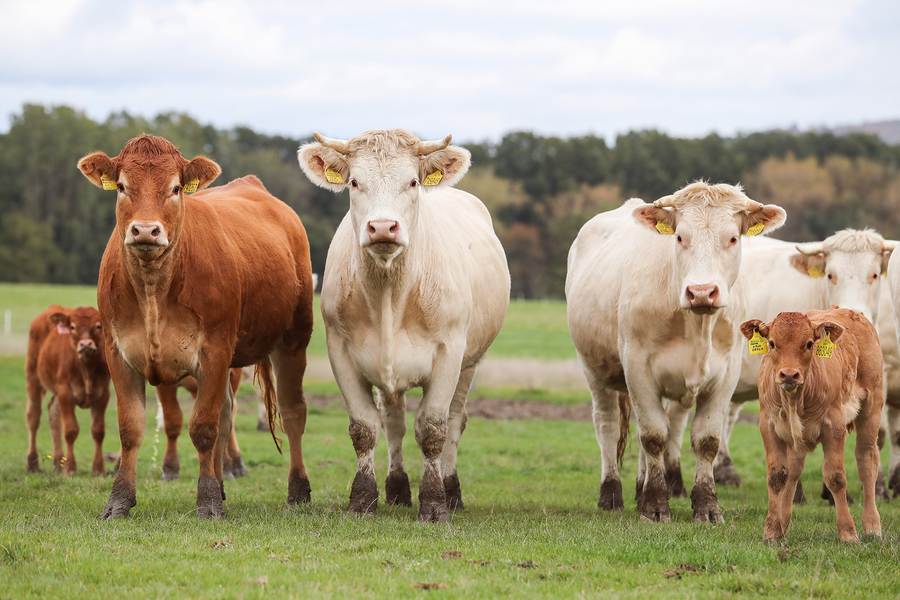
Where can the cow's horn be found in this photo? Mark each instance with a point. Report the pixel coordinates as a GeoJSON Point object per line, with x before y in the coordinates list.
{"type": "Point", "coordinates": [341, 146]}
{"type": "Point", "coordinates": [890, 245]}
{"type": "Point", "coordinates": [810, 248]}
{"type": "Point", "coordinates": [429, 146]}
{"type": "Point", "coordinates": [665, 202]}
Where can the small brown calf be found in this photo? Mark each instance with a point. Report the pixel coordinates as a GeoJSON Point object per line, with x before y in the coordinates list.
{"type": "Point", "coordinates": [821, 377]}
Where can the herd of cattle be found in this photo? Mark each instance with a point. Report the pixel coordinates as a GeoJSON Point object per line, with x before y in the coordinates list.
{"type": "Point", "coordinates": [197, 283]}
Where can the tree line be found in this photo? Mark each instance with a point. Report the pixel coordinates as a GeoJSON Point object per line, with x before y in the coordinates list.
{"type": "Point", "coordinates": [540, 189]}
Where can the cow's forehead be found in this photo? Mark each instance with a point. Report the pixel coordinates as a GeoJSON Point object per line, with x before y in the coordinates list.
{"type": "Point", "coordinates": [374, 163]}
{"type": "Point", "coordinates": [788, 326]}
{"type": "Point", "coordinates": [708, 217]}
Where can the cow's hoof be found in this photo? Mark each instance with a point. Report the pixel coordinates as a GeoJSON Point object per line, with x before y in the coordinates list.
{"type": "Point", "coordinates": [826, 496]}
{"type": "Point", "coordinates": [170, 471]}
{"type": "Point", "coordinates": [396, 488]}
{"type": "Point", "coordinates": [654, 504]}
{"type": "Point", "coordinates": [238, 468]}
{"type": "Point", "coordinates": [363, 494]}
{"type": "Point", "coordinates": [433, 512]}
{"type": "Point", "coordinates": [705, 504]}
{"type": "Point", "coordinates": [638, 491]}
{"type": "Point", "coordinates": [121, 501]}
{"type": "Point", "coordinates": [799, 496]}
{"type": "Point", "coordinates": [33, 463]}
{"type": "Point", "coordinates": [298, 489]}
{"type": "Point", "coordinates": [894, 481]}
{"type": "Point", "coordinates": [881, 491]}
{"type": "Point", "coordinates": [210, 495]}
{"type": "Point", "coordinates": [675, 482]}
{"type": "Point", "coordinates": [725, 474]}
{"type": "Point", "coordinates": [453, 492]}
{"type": "Point", "coordinates": [432, 498]}
{"type": "Point", "coordinates": [611, 495]}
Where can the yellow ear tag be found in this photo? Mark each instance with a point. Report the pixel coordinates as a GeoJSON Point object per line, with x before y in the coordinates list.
{"type": "Point", "coordinates": [755, 229]}
{"type": "Point", "coordinates": [758, 344]}
{"type": "Point", "coordinates": [825, 347]}
{"type": "Point", "coordinates": [433, 178]}
{"type": "Point", "coordinates": [191, 186]}
{"type": "Point", "coordinates": [664, 228]}
{"type": "Point", "coordinates": [332, 176]}
{"type": "Point", "coordinates": [107, 183]}
{"type": "Point", "coordinates": [815, 272]}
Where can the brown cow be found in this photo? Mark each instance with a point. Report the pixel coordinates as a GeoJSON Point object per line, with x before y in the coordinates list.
{"type": "Point", "coordinates": [173, 419]}
{"type": "Point", "coordinates": [193, 285]}
{"type": "Point", "coordinates": [65, 358]}
{"type": "Point", "coordinates": [821, 376]}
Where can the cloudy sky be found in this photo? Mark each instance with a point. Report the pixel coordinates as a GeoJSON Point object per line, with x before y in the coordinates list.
{"type": "Point", "coordinates": [472, 67]}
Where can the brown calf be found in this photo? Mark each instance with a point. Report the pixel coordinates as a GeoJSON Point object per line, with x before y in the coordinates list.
{"type": "Point", "coordinates": [65, 358]}
{"type": "Point", "coordinates": [193, 285]}
{"type": "Point", "coordinates": [820, 377]}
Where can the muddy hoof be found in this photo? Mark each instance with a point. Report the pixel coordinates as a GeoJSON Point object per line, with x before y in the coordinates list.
{"type": "Point", "coordinates": [298, 489]}
{"type": "Point", "coordinates": [238, 468]}
{"type": "Point", "coordinates": [396, 488]}
{"type": "Point", "coordinates": [170, 471]}
{"type": "Point", "coordinates": [799, 496]}
{"type": "Point", "coordinates": [363, 494]}
{"type": "Point", "coordinates": [120, 503]}
{"type": "Point", "coordinates": [654, 505]}
{"type": "Point", "coordinates": [725, 474]}
{"type": "Point", "coordinates": [826, 496]}
{"type": "Point", "coordinates": [706, 505]}
{"type": "Point", "coordinates": [33, 464]}
{"type": "Point", "coordinates": [675, 482]}
{"type": "Point", "coordinates": [210, 493]}
{"type": "Point", "coordinates": [894, 482]}
{"type": "Point", "coordinates": [453, 491]}
{"type": "Point", "coordinates": [611, 495]}
{"type": "Point", "coordinates": [638, 491]}
{"type": "Point", "coordinates": [433, 510]}
{"type": "Point", "coordinates": [881, 491]}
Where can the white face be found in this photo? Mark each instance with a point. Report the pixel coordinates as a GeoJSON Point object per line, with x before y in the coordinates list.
{"type": "Point", "coordinates": [853, 280]}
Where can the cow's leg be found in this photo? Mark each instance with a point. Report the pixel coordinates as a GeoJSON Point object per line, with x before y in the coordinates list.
{"type": "Point", "coordinates": [868, 463]}
{"type": "Point", "coordinates": [724, 472]}
{"type": "Point", "coordinates": [705, 441]}
{"type": "Point", "coordinates": [130, 403]}
{"type": "Point", "coordinates": [893, 413]}
{"type": "Point", "coordinates": [235, 459]}
{"type": "Point", "coordinates": [881, 489]}
{"type": "Point", "coordinates": [393, 419]}
{"type": "Point", "coordinates": [172, 422]}
{"type": "Point", "coordinates": [677, 414]}
{"type": "Point", "coordinates": [456, 424]}
{"type": "Point", "coordinates": [836, 479]}
{"type": "Point", "coordinates": [56, 433]}
{"type": "Point", "coordinates": [605, 413]}
{"type": "Point", "coordinates": [98, 430]}
{"type": "Point", "coordinates": [220, 453]}
{"type": "Point", "coordinates": [70, 429]}
{"type": "Point", "coordinates": [795, 461]}
{"type": "Point", "coordinates": [641, 476]}
{"type": "Point", "coordinates": [776, 478]}
{"type": "Point", "coordinates": [204, 428]}
{"type": "Point", "coordinates": [33, 420]}
{"type": "Point", "coordinates": [289, 367]}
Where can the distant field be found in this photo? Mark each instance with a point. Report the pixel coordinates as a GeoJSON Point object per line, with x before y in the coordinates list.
{"type": "Point", "coordinates": [533, 329]}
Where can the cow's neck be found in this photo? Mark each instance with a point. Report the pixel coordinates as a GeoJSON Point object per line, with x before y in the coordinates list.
{"type": "Point", "coordinates": [698, 330]}
{"type": "Point", "coordinates": [87, 365]}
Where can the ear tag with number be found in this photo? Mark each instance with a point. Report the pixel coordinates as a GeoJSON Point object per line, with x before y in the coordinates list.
{"type": "Point", "coordinates": [433, 178]}
{"type": "Point", "coordinates": [825, 347]}
{"type": "Point", "coordinates": [107, 183]}
{"type": "Point", "coordinates": [755, 229]}
{"type": "Point", "coordinates": [664, 228]}
{"type": "Point", "coordinates": [332, 176]}
{"type": "Point", "coordinates": [815, 272]}
{"type": "Point", "coordinates": [191, 186]}
{"type": "Point", "coordinates": [758, 344]}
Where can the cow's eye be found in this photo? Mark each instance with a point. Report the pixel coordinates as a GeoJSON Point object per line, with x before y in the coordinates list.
{"type": "Point", "coordinates": [809, 345]}
{"type": "Point", "coordinates": [413, 183]}
{"type": "Point", "coordinates": [874, 276]}
{"type": "Point", "coordinates": [98, 326]}
{"type": "Point", "coordinates": [354, 184]}
{"type": "Point", "coordinates": [771, 344]}
{"type": "Point", "coordinates": [175, 190]}
{"type": "Point", "coordinates": [120, 187]}
{"type": "Point", "coordinates": [733, 240]}
{"type": "Point", "coordinates": [830, 277]}
{"type": "Point", "coordinates": [678, 238]}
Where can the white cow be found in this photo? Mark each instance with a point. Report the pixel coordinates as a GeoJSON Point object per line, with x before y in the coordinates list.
{"type": "Point", "coordinates": [652, 314]}
{"type": "Point", "coordinates": [893, 365]}
{"type": "Point", "coordinates": [416, 287]}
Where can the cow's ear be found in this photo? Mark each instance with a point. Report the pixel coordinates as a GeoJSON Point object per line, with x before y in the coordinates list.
{"type": "Point", "coordinates": [762, 218]}
{"type": "Point", "coordinates": [62, 322]}
{"type": "Point", "coordinates": [833, 330]}
{"type": "Point", "coordinates": [445, 166]}
{"type": "Point", "coordinates": [324, 166]}
{"type": "Point", "coordinates": [100, 170]}
{"type": "Point", "coordinates": [887, 249]}
{"type": "Point", "coordinates": [748, 328]}
{"type": "Point", "coordinates": [811, 265]}
{"type": "Point", "coordinates": [660, 220]}
{"type": "Point", "coordinates": [199, 173]}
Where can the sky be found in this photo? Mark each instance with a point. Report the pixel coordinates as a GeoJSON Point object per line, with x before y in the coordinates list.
{"type": "Point", "coordinates": [474, 68]}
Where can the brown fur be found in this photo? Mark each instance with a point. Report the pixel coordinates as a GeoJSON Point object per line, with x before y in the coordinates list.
{"type": "Point", "coordinates": [53, 364]}
{"type": "Point", "coordinates": [232, 287]}
{"type": "Point", "coordinates": [820, 409]}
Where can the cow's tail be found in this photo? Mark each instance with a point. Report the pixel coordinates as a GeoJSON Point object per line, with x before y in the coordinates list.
{"type": "Point", "coordinates": [624, 420]}
{"type": "Point", "coordinates": [266, 383]}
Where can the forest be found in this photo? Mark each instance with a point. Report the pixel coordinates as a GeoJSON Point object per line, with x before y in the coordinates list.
{"type": "Point", "coordinates": [540, 189]}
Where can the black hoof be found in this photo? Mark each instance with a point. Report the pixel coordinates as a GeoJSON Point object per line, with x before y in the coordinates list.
{"type": "Point", "coordinates": [210, 492]}
{"type": "Point", "coordinates": [432, 499]}
{"type": "Point", "coordinates": [799, 496]}
{"type": "Point", "coordinates": [298, 489]}
{"type": "Point", "coordinates": [675, 482]}
{"type": "Point", "coordinates": [453, 492]}
{"type": "Point", "coordinates": [654, 503]}
{"type": "Point", "coordinates": [396, 488]}
{"type": "Point", "coordinates": [121, 501]}
{"type": "Point", "coordinates": [363, 494]}
{"type": "Point", "coordinates": [611, 495]}
{"type": "Point", "coordinates": [170, 471]}
{"type": "Point", "coordinates": [725, 474]}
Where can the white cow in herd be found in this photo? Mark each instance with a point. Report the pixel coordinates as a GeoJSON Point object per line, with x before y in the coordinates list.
{"type": "Point", "coordinates": [415, 289]}
{"type": "Point", "coordinates": [653, 313]}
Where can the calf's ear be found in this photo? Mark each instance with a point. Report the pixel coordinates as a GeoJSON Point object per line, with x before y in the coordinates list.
{"type": "Point", "coordinates": [199, 173]}
{"type": "Point", "coordinates": [445, 166]}
{"type": "Point", "coordinates": [323, 165]}
{"type": "Point", "coordinates": [762, 218]}
{"type": "Point", "coordinates": [99, 169]}
{"type": "Point", "coordinates": [833, 330]}
{"type": "Point", "coordinates": [62, 322]}
{"type": "Point", "coordinates": [748, 328]}
{"type": "Point", "coordinates": [661, 220]}
{"type": "Point", "coordinates": [812, 265]}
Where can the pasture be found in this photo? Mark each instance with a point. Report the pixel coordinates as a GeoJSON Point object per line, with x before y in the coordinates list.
{"type": "Point", "coordinates": [530, 528]}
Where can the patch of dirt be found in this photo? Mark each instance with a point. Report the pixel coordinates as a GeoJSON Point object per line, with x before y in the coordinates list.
{"type": "Point", "coordinates": [429, 585]}
{"type": "Point", "coordinates": [683, 569]}
{"type": "Point", "coordinates": [451, 554]}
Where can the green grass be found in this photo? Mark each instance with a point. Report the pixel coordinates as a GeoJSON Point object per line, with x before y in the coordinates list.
{"type": "Point", "coordinates": [530, 529]}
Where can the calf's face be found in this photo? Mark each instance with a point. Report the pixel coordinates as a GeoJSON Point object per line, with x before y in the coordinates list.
{"type": "Point", "coordinates": [82, 326]}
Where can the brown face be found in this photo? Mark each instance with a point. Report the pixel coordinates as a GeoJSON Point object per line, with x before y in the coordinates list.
{"type": "Point", "coordinates": [82, 325]}
{"type": "Point", "coordinates": [149, 176]}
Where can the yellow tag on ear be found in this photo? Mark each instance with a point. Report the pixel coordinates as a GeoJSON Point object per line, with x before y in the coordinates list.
{"type": "Point", "coordinates": [825, 347]}
{"type": "Point", "coordinates": [815, 272]}
{"type": "Point", "coordinates": [107, 183]}
{"type": "Point", "coordinates": [433, 178]}
{"type": "Point", "coordinates": [758, 344]}
{"type": "Point", "coordinates": [191, 186]}
{"type": "Point", "coordinates": [755, 229]}
{"type": "Point", "coordinates": [332, 176]}
{"type": "Point", "coordinates": [664, 228]}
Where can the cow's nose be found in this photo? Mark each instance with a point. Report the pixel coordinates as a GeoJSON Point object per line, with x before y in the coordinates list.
{"type": "Point", "coordinates": [145, 232]}
{"type": "Point", "coordinates": [702, 296]}
{"type": "Point", "coordinates": [789, 376]}
{"type": "Point", "coordinates": [383, 230]}
{"type": "Point", "coordinates": [86, 345]}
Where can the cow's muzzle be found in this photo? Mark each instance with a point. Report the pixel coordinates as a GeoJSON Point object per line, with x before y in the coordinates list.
{"type": "Point", "coordinates": [86, 348]}
{"type": "Point", "coordinates": [790, 380]}
{"type": "Point", "coordinates": [146, 237]}
{"type": "Point", "coordinates": [702, 299]}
